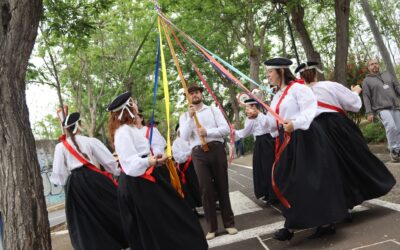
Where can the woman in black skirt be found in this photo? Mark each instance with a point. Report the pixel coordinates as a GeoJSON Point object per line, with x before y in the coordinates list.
{"type": "Point", "coordinates": [154, 215]}
{"type": "Point", "coordinates": [364, 176]}
{"type": "Point", "coordinates": [263, 155]}
{"type": "Point", "coordinates": [92, 210]}
{"type": "Point", "coordinates": [305, 175]}
{"type": "Point", "coordinates": [182, 154]}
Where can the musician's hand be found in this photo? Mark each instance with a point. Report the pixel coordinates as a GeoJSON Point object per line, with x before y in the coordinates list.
{"type": "Point", "coordinates": [288, 126]}
{"type": "Point", "coordinates": [152, 160]}
{"type": "Point", "coordinates": [202, 131]}
{"type": "Point", "coordinates": [370, 118]}
{"type": "Point", "coordinates": [192, 110]}
{"type": "Point", "coordinates": [356, 88]}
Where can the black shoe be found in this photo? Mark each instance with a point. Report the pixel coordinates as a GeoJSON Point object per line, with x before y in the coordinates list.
{"type": "Point", "coordinates": [272, 202]}
{"type": "Point", "coordinates": [323, 230]}
{"type": "Point", "coordinates": [349, 218]}
{"type": "Point", "coordinates": [283, 234]}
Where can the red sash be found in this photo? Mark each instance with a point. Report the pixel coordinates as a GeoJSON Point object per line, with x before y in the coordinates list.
{"type": "Point", "coordinates": [184, 169]}
{"type": "Point", "coordinates": [85, 162]}
{"type": "Point", "coordinates": [331, 107]}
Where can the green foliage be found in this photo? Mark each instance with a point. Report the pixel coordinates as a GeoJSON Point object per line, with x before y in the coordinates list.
{"type": "Point", "coordinates": [374, 132]}
{"type": "Point", "coordinates": [48, 128]}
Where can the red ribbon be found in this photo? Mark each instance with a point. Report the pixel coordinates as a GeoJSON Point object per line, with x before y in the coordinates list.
{"type": "Point", "coordinates": [331, 107]}
{"type": "Point", "coordinates": [184, 169]}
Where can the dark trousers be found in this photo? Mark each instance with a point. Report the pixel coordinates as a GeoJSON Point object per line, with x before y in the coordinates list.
{"type": "Point", "coordinates": [212, 171]}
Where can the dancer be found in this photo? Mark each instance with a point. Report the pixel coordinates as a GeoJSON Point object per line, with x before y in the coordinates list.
{"type": "Point", "coordinates": [154, 215]}
{"type": "Point", "coordinates": [91, 204]}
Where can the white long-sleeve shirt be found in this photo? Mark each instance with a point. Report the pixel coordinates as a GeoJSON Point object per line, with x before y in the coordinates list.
{"type": "Point", "coordinates": [335, 94]}
{"type": "Point", "coordinates": [181, 150]}
{"type": "Point", "coordinates": [64, 162]}
{"type": "Point", "coordinates": [131, 145]}
{"type": "Point", "coordinates": [299, 105]}
{"type": "Point", "coordinates": [211, 119]}
{"type": "Point", "coordinates": [252, 127]}
{"type": "Point", "coordinates": [158, 143]}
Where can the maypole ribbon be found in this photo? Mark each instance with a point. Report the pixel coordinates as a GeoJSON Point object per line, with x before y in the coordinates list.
{"type": "Point", "coordinates": [155, 88]}
{"type": "Point", "coordinates": [226, 72]}
{"type": "Point", "coordinates": [203, 80]}
{"type": "Point", "coordinates": [182, 78]}
{"type": "Point", "coordinates": [170, 164]}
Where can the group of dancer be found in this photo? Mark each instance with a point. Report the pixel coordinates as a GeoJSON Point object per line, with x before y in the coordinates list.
{"type": "Point", "coordinates": [316, 164]}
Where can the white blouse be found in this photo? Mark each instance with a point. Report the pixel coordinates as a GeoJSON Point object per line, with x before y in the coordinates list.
{"type": "Point", "coordinates": [299, 105]}
{"type": "Point", "coordinates": [252, 127]}
{"type": "Point", "coordinates": [64, 162]}
{"type": "Point", "coordinates": [181, 150]}
{"type": "Point", "coordinates": [335, 94]}
{"type": "Point", "coordinates": [158, 142]}
{"type": "Point", "coordinates": [131, 145]}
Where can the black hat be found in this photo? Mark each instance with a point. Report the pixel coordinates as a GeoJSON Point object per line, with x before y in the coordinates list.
{"type": "Point", "coordinates": [278, 63]}
{"type": "Point", "coordinates": [71, 119]}
{"type": "Point", "coordinates": [119, 102]}
{"type": "Point", "coordinates": [250, 101]}
{"type": "Point", "coordinates": [195, 88]}
{"type": "Point", "coordinates": [308, 65]}
{"type": "Point", "coordinates": [177, 127]}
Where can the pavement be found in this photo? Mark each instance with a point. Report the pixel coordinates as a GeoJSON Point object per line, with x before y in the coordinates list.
{"type": "Point", "coordinates": [375, 225]}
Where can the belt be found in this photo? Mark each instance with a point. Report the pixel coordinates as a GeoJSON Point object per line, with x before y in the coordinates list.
{"type": "Point", "coordinates": [210, 145]}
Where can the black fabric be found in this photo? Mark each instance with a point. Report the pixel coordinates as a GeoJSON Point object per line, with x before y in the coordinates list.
{"type": "Point", "coordinates": [71, 119]}
{"type": "Point", "coordinates": [92, 212]}
{"type": "Point", "coordinates": [119, 101]}
{"type": "Point", "coordinates": [364, 175]}
{"type": "Point", "coordinates": [191, 188]}
{"type": "Point", "coordinates": [307, 174]}
{"type": "Point", "coordinates": [263, 158]}
{"type": "Point", "coordinates": [303, 65]}
{"type": "Point", "coordinates": [279, 61]}
{"type": "Point", "coordinates": [155, 217]}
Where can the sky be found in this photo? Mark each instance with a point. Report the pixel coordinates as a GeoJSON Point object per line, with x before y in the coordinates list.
{"type": "Point", "coordinates": [41, 101]}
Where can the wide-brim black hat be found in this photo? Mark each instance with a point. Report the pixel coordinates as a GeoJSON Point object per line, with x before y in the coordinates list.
{"type": "Point", "coordinates": [306, 66]}
{"type": "Point", "coordinates": [71, 119]}
{"type": "Point", "coordinates": [119, 102]}
{"type": "Point", "coordinates": [195, 88]}
{"type": "Point", "coordinates": [278, 63]}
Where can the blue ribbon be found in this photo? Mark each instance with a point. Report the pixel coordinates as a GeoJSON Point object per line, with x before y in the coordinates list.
{"type": "Point", "coordinates": [155, 89]}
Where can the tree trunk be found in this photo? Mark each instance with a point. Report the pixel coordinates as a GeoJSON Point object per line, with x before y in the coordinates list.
{"type": "Point", "coordinates": [22, 200]}
{"type": "Point", "coordinates": [378, 37]}
{"type": "Point", "coordinates": [297, 13]}
{"type": "Point", "coordinates": [255, 58]}
{"type": "Point", "coordinates": [342, 11]}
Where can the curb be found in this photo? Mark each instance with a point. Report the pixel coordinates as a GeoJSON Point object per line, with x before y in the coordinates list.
{"type": "Point", "coordinates": [56, 207]}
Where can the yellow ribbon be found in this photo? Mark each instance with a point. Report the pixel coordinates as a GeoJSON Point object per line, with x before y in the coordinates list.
{"type": "Point", "coordinates": [170, 164]}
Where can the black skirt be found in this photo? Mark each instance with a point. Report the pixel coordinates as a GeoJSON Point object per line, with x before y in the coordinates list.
{"type": "Point", "coordinates": [190, 185]}
{"type": "Point", "coordinates": [263, 158]}
{"type": "Point", "coordinates": [155, 217]}
{"type": "Point", "coordinates": [308, 177]}
{"type": "Point", "coordinates": [364, 176]}
{"type": "Point", "coordinates": [92, 211]}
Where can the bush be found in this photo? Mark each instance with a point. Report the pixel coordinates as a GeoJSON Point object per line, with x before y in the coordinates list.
{"type": "Point", "coordinates": [248, 144]}
{"type": "Point", "coordinates": [374, 132]}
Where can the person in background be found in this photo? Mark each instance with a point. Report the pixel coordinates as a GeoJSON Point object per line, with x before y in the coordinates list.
{"type": "Point", "coordinates": [239, 147]}
{"type": "Point", "coordinates": [91, 203]}
{"type": "Point", "coordinates": [212, 165]}
{"type": "Point", "coordinates": [381, 94]}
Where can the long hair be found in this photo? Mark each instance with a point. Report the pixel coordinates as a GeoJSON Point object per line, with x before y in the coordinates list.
{"type": "Point", "coordinates": [286, 74]}
{"type": "Point", "coordinates": [73, 139]}
{"type": "Point", "coordinates": [114, 123]}
{"type": "Point", "coordinates": [309, 75]}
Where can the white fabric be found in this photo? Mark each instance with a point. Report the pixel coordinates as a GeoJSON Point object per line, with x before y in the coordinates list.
{"type": "Point", "coordinates": [181, 150]}
{"type": "Point", "coordinates": [299, 105]}
{"type": "Point", "coordinates": [252, 127]}
{"type": "Point", "coordinates": [130, 146]}
{"type": "Point", "coordinates": [335, 94]}
{"type": "Point", "coordinates": [64, 162]}
{"type": "Point", "coordinates": [158, 142]}
{"type": "Point", "coordinates": [311, 67]}
{"type": "Point", "coordinates": [211, 119]}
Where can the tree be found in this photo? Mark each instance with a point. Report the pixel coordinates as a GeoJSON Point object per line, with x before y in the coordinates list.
{"type": "Point", "coordinates": [378, 37]}
{"type": "Point", "coordinates": [342, 12]}
{"type": "Point", "coordinates": [22, 200]}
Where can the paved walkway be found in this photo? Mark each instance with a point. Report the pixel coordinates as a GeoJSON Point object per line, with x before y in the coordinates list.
{"type": "Point", "coordinates": [376, 224]}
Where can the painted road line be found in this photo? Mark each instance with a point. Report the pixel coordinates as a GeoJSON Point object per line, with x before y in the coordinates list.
{"type": "Point", "coordinates": [241, 204]}
{"type": "Point", "coordinates": [240, 184]}
{"type": "Point", "coordinates": [245, 176]}
{"type": "Point", "coordinates": [63, 232]}
{"type": "Point", "coordinates": [242, 166]}
{"type": "Point", "coordinates": [377, 243]}
{"type": "Point", "coordinates": [262, 243]}
{"type": "Point", "coordinates": [245, 234]}
{"type": "Point", "coordinates": [386, 204]}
